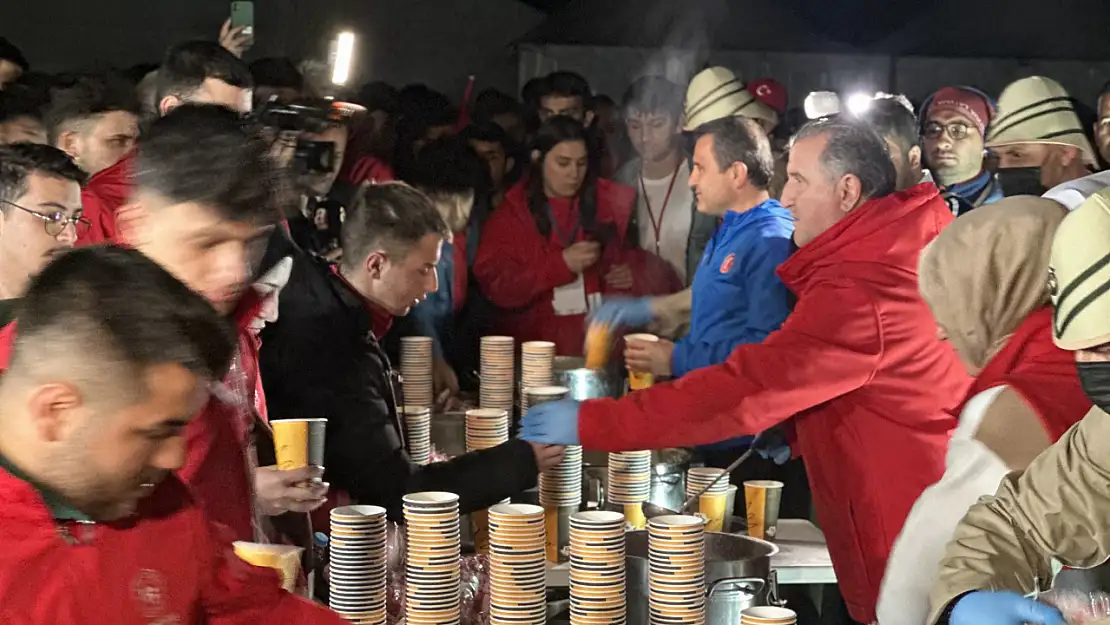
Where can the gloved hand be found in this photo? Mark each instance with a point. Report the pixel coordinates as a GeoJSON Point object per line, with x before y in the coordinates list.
{"type": "Point", "coordinates": [771, 445]}
{"type": "Point", "coordinates": [553, 423]}
{"type": "Point", "coordinates": [623, 311]}
{"type": "Point", "coordinates": [1002, 608]}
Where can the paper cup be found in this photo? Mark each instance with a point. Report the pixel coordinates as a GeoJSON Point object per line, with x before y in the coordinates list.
{"type": "Point", "coordinates": [761, 503]}
{"type": "Point", "coordinates": [639, 380]}
{"type": "Point", "coordinates": [766, 615]}
{"type": "Point", "coordinates": [284, 559]}
{"type": "Point", "coordinates": [299, 442]}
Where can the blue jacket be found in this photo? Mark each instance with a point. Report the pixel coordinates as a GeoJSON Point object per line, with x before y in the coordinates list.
{"type": "Point", "coordinates": [965, 196]}
{"type": "Point", "coordinates": [737, 297]}
{"type": "Point", "coordinates": [435, 316]}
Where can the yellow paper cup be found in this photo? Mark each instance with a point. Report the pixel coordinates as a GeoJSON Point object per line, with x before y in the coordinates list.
{"type": "Point", "coordinates": [639, 380]}
{"type": "Point", "coordinates": [284, 559]}
{"type": "Point", "coordinates": [299, 442]}
{"type": "Point", "coordinates": [713, 507]}
{"type": "Point", "coordinates": [761, 502]}
{"type": "Point", "coordinates": [634, 515]}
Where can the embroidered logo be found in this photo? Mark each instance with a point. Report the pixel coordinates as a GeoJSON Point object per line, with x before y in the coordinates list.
{"type": "Point", "coordinates": [726, 266]}
{"type": "Point", "coordinates": [763, 90]}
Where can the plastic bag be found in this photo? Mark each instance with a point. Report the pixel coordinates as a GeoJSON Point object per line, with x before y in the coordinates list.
{"type": "Point", "coordinates": [1079, 608]}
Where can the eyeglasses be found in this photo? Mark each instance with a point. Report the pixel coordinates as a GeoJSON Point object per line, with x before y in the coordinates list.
{"type": "Point", "coordinates": [956, 130]}
{"type": "Point", "coordinates": [56, 223]}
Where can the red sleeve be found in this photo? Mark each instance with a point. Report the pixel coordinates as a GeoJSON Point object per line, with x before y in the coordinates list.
{"type": "Point", "coordinates": [7, 339]}
{"type": "Point", "coordinates": [101, 217]}
{"type": "Point", "coordinates": [237, 593]}
{"type": "Point", "coordinates": [514, 264]}
{"type": "Point", "coordinates": [830, 346]}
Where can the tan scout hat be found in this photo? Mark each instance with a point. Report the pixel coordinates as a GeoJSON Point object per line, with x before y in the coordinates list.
{"type": "Point", "coordinates": [1079, 275]}
{"type": "Point", "coordinates": [716, 93]}
{"type": "Point", "coordinates": [1038, 110]}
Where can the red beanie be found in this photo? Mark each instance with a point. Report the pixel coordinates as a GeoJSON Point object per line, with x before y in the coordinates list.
{"type": "Point", "coordinates": [976, 108]}
{"type": "Point", "coordinates": [770, 92]}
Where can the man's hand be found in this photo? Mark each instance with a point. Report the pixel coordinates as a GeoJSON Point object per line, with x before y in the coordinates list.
{"type": "Point", "coordinates": [551, 423]}
{"type": "Point", "coordinates": [619, 278]}
{"type": "Point", "coordinates": [649, 357]}
{"type": "Point", "coordinates": [445, 383]}
{"type": "Point", "coordinates": [547, 456]}
{"type": "Point", "coordinates": [1002, 608]}
{"type": "Point", "coordinates": [581, 256]}
{"type": "Point", "coordinates": [233, 40]}
{"type": "Point", "coordinates": [295, 490]}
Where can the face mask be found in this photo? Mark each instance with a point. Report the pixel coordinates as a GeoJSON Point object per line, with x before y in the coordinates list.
{"type": "Point", "coordinates": [1095, 378]}
{"type": "Point", "coordinates": [1021, 181]}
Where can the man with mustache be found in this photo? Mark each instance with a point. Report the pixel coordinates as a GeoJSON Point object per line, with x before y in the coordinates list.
{"type": "Point", "coordinates": [114, 359]}
{"type": "Point", "coordinates": [40, 215]}
{"type": "Point", "coordinates": [956, 120]}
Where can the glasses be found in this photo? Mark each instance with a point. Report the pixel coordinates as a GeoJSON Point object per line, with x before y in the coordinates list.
{"type": "Point", "coordinates": [56, 223]}
{"type": "Point", "coordinates": [956, 130]}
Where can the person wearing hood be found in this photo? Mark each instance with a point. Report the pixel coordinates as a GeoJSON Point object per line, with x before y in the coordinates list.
{"type": "Point", "coordinates": [953, 132]}
{"type": "Point", "coordinates": [892, 116]}
{"type": "Point", "coordinates": [985, 279]}
{"type": "Point", "coordinates": [857, 368]}
{"type": "Point", "coordinates": [1039, 140]}
{"type": "Point", "coordinates": [199, 72]}
{"type": "Point", "coordinates": [1058, 508]}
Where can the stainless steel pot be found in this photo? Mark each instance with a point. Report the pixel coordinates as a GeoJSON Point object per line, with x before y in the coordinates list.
{"type": "Point", "coordinates": [737, 576]}
{"type": "Point", "coordinates": [590, 383]}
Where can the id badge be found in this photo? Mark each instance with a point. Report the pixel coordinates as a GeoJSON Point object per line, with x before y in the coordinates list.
{"type": "Point", "coordinates": [570, 299]}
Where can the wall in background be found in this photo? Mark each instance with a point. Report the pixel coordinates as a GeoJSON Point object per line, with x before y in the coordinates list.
{"type": "Point", "coordinates": [439, 42]}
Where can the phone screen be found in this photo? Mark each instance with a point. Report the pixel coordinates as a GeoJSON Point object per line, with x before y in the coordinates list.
{"type": "Point", "coordinates": [242, 14]}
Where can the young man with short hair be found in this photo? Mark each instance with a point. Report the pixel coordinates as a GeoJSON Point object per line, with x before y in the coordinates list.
{"type": "Point", "coordinates": [40, 215]}
{"type": "Point", "coordinates": [893, 118]}
{"type": "Point", "coordinates": [21, 116]}
{"type": "Point", "coordinates": [667, 220]}
{"type": "Point", "coordinates": [95, 120]}
{"type": "Point", "coordinates": [323, 357]}
{"type": "Point", "coordinates": [200, 72]}
{"type": "Point", "coordinates": [114, 359]}
{"type": "Point", "coordinates": [491, 142]}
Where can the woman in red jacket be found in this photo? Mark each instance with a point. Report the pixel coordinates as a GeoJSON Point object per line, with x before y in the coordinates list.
{"type": "Point", "coordinates": [557, 243]}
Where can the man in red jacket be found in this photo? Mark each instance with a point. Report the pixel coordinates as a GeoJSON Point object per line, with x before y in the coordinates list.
{"type": "Point", "coordinates": [857, 368]}
{"type": "Point", "coordinates": [114, 359]}
{"type": "Point", "coordinates": [198, 72]}
{"type": "Point", "coordinates": [207, 197]}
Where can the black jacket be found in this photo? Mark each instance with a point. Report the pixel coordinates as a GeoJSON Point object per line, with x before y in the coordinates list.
{"type": "Point", "coordinates": [321, 360]}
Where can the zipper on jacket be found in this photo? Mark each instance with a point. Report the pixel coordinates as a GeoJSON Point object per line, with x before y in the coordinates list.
{"type": "Point", "coordinates": [82, 532]}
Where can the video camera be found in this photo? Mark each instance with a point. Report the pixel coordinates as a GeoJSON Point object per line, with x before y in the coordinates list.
{"type": "Point", "coordinates": [308, 116]}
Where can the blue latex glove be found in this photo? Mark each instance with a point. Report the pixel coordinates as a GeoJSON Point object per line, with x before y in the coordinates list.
{"type": "Point", "coordinates": [1002, 608]}
{"type": "Point", "coordinates": [771, 445]}
{"type": "Point", "coordinates": [553, 423]}
{"type": "Point", "coordinates": [623, 311]}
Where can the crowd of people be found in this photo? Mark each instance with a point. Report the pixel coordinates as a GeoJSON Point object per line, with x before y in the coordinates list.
{"type": "Point", "coordinates": [883, 302]}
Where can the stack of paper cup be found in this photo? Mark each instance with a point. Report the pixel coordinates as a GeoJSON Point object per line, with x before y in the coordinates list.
{"type": "Point", "coordinates": [486, 428]}
{"type": "Point", "coordinates": [629, 476]}
{"type": "Point", "coordinates": [537, 364]}
{"type": "Point", "coordinates": [597, 568]}
{"type": "Point", "coordinates": [518, 568]}
{"type": "Point", "coordinates": [562, 484]}
{"type": "Point", "coordinates": [418, 433]}
{"type": "Point", "coordinates": [432, 574]}
{"type": "Point", "coordinates": [712, 502]}
{"type": "Point", "coordinates": [416, 370]}
{"type": "Point", "coordinates": [536, 395]}
{"type": "Point", "coordinates": [676, 570]}
{"type": "Point", "coordinates": [357, 579]}
{"type": "Point", "coordinates": [496, 360]}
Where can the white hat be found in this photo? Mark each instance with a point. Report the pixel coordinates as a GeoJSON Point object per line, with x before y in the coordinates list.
{"type": "Point", "coordinates": [1038, 110]}
{"type": "Point", "coordinates": [716, 93]}
{"type": "Point", "coordinates": [1079, 275]}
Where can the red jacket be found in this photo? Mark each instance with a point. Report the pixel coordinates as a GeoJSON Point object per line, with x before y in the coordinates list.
{"type": "Point", "coordinates": [518, 269]}
{"type": "Point", "coordinates": [165, 564]}
{"type": "Point", "coordinates": [366, 169]}
{"type": "Point", "coordinates": [858, 365]}
{"type": "Point", "coordinates": [1041, 373]}
{"type": "Point", "coordinates": [217, 467]}
{"type": "Point", "coordinates": [105, 193]}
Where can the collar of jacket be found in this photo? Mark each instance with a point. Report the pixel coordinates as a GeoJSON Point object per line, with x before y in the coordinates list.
{"type": "Point", "coordinates": [58, 508]}
{"type": "Point", "coordinates": [888, 231]}
{"type": "Point", "coordinates": [379, 319]}
{"type": "Point", "coordinates": [734, 219]}
{"type": "Point", "coordinates": [970, 190]}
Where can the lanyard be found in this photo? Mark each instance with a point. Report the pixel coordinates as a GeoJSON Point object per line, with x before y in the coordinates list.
{"type": "Point", "coordinates": [565, 241]}
{"type": "Point", "coordinates": [657, 226]}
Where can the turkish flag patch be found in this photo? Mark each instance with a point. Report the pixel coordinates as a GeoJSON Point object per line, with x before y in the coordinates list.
{"type": "Point", "coordinates": [726, 266]}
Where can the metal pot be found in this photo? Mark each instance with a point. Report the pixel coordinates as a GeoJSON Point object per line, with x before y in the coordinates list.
{"type": "Point", "coordinates": [590, 383]}
{"type": "Point", "coordinates": [737, 576]}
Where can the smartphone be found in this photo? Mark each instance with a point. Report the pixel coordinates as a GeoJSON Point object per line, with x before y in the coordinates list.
{"type": "Point", "coordinates": [242, 14]}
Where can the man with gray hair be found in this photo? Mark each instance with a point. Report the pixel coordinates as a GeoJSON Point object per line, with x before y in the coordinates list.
{"type": "Point", "coordinates": [857, 370]}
